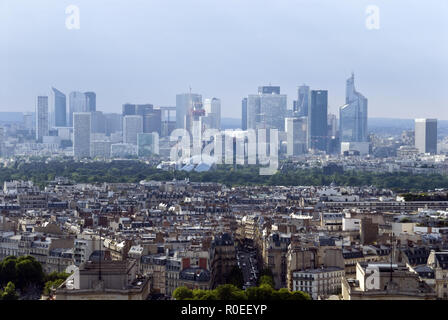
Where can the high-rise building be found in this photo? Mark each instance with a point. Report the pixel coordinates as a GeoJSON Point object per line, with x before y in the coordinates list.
{"type": "Point", "coordinates": [353, 115]}
{"type": "Point", "coordinates": [426, 135]}
{"type": "Point", "coordinates": [317, 120]}
{"type": "Point", "coordinates": [143, 109]}
{"type": "Point", "coordinates": [212, 109]}
{"type": "Point", "coordinates": [128, 109]}
{"type": "Point", "coordinates": [147, 144]}
{"type": "Point", "coordinates": [98, 122]}
{"type": "Point", "coordinates": [123, 150]}
{"type": "Point", "coordinates": [151, 118]}
{"type": "Point", "coordinates": [100, 149]}
{"type": "Point", "coordinates": [77, 103]}
{"type": "Point", "coordinates": [267, 109]}
{"type": "Point", "coordinates": [168, 118]}
{"type": "Point", "coordinates": [28, 121]}
{"type": "Point", "coordinates": [90, 101]}
{"type": "Point", "coordinates": [132, 126]}
{"type": "Point", "coordinates": [81, 134]}
{"type": "Point", "coordinates": [244, 114]}
{"type": "Point", "coordinates": [296, 131]}
{"type": "Point", "coordinates": [41, 118]}
{"type": "Point", "coordinates": [332, 125]}
{"type": "Point", "coordinates": [114, 123]}
{"type": "Point", "coordinates": [301, 106]}
{"type": "Point", "coordinates": [152, 122]}
{"type": "Point", "coordinates": [58, 109]}
{"type": "Point", "coordinates": [185, 103]}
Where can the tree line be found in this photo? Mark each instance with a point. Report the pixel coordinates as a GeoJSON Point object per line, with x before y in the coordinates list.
{"type": "Point", "coordinates": [129, 171]}
{"type": "Point", "coordinates": [264, 291]}
{"type": "Point", "coordinates": [23, 276]}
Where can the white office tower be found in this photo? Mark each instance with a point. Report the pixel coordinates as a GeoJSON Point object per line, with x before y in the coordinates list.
{"type": "Point", "coordinates": [296, 135]}
{"type": "Point", "coordinates": [132, 126]}
{"type": "Point", "coordinates": [81, 134]}
{"type": "Point", "coordinates": [212, 109]}
{"type": "Point", "coordinates": [41, 118]}
{"type": "Point", "coordinates": [426, 135]}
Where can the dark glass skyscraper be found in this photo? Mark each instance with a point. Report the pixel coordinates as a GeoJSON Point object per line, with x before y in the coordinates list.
{"type": "Point", "coordinates": [317, 117]}
{"type": "Point", "coordinates": [128, 109]}
{"type": "Point", "coordinates": [90, 101]}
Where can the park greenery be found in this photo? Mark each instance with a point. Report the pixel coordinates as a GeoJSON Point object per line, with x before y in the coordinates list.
{"type": "Point", "coordinates": [20, 276]}
{"type": "Point", "coordinates": [425, 197]}
{"type": "Point", "coordinates": [132, 171]}
{"type": "Point", "coordinates": [264, 291]}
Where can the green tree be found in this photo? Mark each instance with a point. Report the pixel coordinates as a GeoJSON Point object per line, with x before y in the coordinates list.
{"type": "Point", "coordinates": [267, 280]}
{"type": "Point", "coordinates": [29, 272]}
{"type": "Point", "coordinates": [204, 295]}
{"type": "Point", "coordinates": [8, 272]}
{"type": "Point", "coordinates": [182, 293]}
{"type": "Point", "coordinates": [262, 292]}
{"type": "Point", "coordinates": [51, 285]}
{"type": "Point", "coordinates": [229, 292]}
{"type": "Point", "coordinates": [10, 292]}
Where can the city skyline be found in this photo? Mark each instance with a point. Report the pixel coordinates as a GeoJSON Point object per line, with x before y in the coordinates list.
{"type": "Point", "coordinates": [223, 60]}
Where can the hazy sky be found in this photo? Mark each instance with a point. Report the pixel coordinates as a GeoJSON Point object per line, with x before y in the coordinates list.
{"type": "Point", "coordinates": [146, 51]}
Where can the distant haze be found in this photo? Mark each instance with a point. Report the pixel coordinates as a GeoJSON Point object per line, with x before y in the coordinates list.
{"type": "Point", "coordinates": [147, 51]}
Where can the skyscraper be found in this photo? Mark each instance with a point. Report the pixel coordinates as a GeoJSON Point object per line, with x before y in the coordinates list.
{"type": "Point", "coordinates": [132, 126]}
{"type": "Point", "coordinates": [41, 118]}
{"type": "Point", "coordinates": [58, 109]}
{"type": "Point", "coordinates": [317, 120]}
{"type": "Point", "coordinates": [168, 118]}
{"type": "Point", "coordinates": [114, 123]}
{"type": "Point", "coordinates": [77, 103]}
{"type": "Point", "coordinates": [185, 102]}
{"type": "Point", "coordinates": [353, 115]}
{"type": "Point", "coordinates": [81, 134]}
{"type": "Point", "coordinates": [212, 109]}
{"type": "Point", "coordinates": [98, 122]}
{"type": "Point", "coordinates": [90, 101]}
{"type": "Point", "coordinates": [28, 121]}
{"type": "Point", "coordinates": [303, 101]}
{"type": "Point", "coordinates": [143, 109]}
{"type": "Point", "coordinates": [152, 122]}
{"type": "Point", "coordinates": [147, 144]}
{"type": "Point", "coordinates": [296, 130]}
{"type": "Point", "coordinates": [267, 109]}
{"type": "Point", "coordinates": [128, 109]}
{"type": "Point", "coordinates": [244, 114]}
{"type": "Point", "coordinates": [426, 135]}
